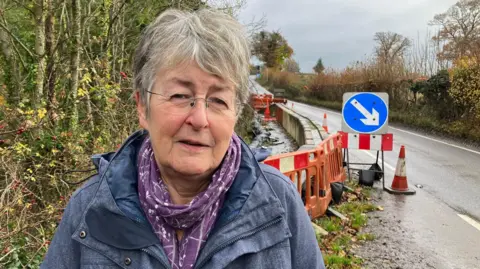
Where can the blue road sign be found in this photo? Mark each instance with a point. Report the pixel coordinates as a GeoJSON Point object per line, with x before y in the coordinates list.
{"type": "Point", "coordinates": [365, 112]}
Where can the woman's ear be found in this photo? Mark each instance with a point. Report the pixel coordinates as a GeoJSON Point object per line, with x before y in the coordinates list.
{"type": "Point", "coordinates": [141, 111]}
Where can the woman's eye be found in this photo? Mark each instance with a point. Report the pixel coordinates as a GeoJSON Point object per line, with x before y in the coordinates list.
{"type": "Point", "coordinates": [218, 101]}
{"type": "Point", "coordinates": [179, 96]}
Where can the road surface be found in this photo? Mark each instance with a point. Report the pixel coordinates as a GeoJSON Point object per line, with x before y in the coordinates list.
{"type": "Point", "coordinates": [442, 218]}
{"type": "Point", "coordinates": [255, 88]}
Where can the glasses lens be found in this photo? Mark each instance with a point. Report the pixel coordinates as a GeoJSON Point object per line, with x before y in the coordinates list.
{"type": "Point", "coordinates": [181, 104]}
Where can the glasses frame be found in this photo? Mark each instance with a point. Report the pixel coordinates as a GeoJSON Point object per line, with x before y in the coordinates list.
{"type": "Point", "coordinates": [193, 101]}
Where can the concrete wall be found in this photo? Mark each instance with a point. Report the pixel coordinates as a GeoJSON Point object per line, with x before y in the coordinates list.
{"type": "Point", "coordinates": [299, 127]}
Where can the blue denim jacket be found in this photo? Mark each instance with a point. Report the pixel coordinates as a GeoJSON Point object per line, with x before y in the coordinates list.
{"type": "Point", "coordinates": [262, 224]}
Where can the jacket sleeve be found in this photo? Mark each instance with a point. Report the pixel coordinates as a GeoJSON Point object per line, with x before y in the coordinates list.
{"type": "Point", "coordinates": [63, 251]}
{"type": "Point", "coordinates": [304, 246]}
{"type": "Point", "coordinates": [305, 252]}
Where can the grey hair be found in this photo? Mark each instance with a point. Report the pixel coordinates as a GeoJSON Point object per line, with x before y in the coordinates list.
{"type": "Point", "coordinates": [211, 38]}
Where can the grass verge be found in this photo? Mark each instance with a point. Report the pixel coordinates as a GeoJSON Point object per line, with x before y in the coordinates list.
{"type": "Point", "coordinates": [343, 235]}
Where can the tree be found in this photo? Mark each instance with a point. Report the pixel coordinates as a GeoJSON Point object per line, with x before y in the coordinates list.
{"type": "Point", "coordinates": [390, 46]}
{"type": "Point", "coordinates": [39, 14]}
{"type": "Point", "coordinates": [319, 68]}
{"type": "Point", "coordinates": [290, 65]}
{"type": "Point", "coordinates": [75, 60]}
{"type": "Point", "coordinates": [459, 30]}
{"type": "Point", "coordinates": [271, 48]}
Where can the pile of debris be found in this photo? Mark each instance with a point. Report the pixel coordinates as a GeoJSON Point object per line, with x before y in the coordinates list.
{"type": "Point", "coordinates": [272, 136]}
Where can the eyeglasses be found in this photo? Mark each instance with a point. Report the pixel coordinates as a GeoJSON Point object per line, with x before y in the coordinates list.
{"type": "Point", "coordinates": [182, 104]}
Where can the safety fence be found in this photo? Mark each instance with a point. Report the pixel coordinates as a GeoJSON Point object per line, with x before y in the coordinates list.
{"type": "Point", "coordinates": [313, 171]}
{"type": "Point", "coordinates": [261, 101]}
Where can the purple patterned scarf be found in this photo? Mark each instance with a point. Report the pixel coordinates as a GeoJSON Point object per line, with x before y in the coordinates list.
{"type": "Point", "coordinates": [195, 219]}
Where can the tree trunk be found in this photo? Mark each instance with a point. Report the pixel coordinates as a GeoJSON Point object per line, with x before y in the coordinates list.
{"type": "Point", "coordinates": [75, 61]}
{"type": "Point", "coordinates": [11, 73]}
{"type": "Point", "coordinates": [50, 52]}
{"type": "Point", "coordinates": [40, 51]}
{"type": "Point", "coordinates": [122, 48]}
{"type": "Point", "coordinates": [89, 112]}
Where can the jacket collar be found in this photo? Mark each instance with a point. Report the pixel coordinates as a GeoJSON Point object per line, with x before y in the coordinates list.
{"type": "Point", "coordinates": [115, 217]}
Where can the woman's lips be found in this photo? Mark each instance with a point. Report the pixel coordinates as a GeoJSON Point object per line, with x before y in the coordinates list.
{"type": "Point", "coordinates": [193, 147]}
{"type": "Point", "coordinates": [193, 142]}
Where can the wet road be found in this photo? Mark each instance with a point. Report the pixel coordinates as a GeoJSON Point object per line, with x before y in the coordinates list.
{"type": "Point", "coordinates": [436, 220]}
{"type": "Point", "coordinates": [256, 88]}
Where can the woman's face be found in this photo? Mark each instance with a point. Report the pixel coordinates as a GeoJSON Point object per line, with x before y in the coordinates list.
{"type": "Point", "coordinates": [190, 140]}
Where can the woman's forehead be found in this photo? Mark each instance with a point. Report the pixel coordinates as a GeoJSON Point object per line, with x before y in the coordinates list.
{"type": "Point", "coordinates": [193, 79]}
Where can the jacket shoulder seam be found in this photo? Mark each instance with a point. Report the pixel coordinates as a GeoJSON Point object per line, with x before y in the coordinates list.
{"type": "Point", "coordinates": [281, 176]}
{"type": "Point", "coordinates": [285, 180]}
{"type": "Point", "coordinates": [90, 182]}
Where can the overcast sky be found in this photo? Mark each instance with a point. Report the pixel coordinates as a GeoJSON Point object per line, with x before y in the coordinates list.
{"type": "Point", "coordinates": [341, 31]}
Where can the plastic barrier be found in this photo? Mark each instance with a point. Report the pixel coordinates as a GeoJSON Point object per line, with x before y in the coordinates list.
{"type": "Point", "coordinates": [312, 172]}
{"type": "Point", "coordinates": [333, 149]}
{"type": "Point", "coordinates": [259, 101]}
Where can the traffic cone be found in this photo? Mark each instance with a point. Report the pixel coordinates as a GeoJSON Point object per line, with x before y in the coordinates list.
{"type": "Point", "coordinates": [400, 183]}
{"type": "Point", "coordinates": [324, 124]}
{"type": "Point", "coordinates": [267, 113]}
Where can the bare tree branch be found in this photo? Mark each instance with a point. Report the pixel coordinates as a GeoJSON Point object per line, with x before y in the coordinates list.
{"type": "Point", "coordinates": [17, 39]}
{"type": "Point", "coordinates": [24, 6]}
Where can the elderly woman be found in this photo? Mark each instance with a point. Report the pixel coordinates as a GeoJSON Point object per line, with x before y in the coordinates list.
{"type": "Point", "coordinates": [186, 192]}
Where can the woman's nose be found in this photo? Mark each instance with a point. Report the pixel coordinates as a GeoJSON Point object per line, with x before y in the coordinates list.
{"type": "Point", "coordinates": [198, 114]}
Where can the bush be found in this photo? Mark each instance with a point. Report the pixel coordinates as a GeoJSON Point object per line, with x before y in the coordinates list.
{"type": "Point", "coordinates": [41, 165]}
{"type": "Point", "coordinates": [465, 91]}
{"type": "Point", "coordinates": [437, 97]}
{"type": "Point", "coordinates": [292, 83]}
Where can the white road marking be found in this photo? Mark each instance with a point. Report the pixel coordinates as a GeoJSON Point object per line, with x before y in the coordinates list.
{"type": "Point", "coordinates": [379, 159]}
{"type": "Point", "coordinates": [422, 136]}
{"type": "Point", "coordinates": [439, 141]}
{"type": "Point", "coordinates": [470, 221]}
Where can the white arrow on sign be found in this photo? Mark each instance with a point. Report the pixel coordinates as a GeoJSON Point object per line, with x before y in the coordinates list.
{"type": "Point", "coordinates": [372, 119]}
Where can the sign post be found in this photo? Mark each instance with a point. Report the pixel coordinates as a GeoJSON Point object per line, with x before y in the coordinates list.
{"type": "Point", "coordinates": [365, 123]}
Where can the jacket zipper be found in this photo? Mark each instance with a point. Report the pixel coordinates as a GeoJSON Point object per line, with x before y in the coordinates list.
{"type": "Point", "coordinates": [156, 257]}
{"type": "Point", "coordinates": [239, 237]}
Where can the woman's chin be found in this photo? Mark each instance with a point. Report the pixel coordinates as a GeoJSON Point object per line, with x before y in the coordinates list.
{"type": "Point", "coordinates": [192, 166]}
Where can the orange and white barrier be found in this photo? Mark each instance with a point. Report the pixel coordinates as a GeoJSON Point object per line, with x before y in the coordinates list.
{"type": "Point", "coordinates": [259, 101]}
{"type": "Point", "coordinates": [367, 141]}
{"type": "Point", "coordinates": [312, 171]}
{"type": "Point", "coordinates": [333, 150]}
{"type": "Point", "coordinates": [290, 163]}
